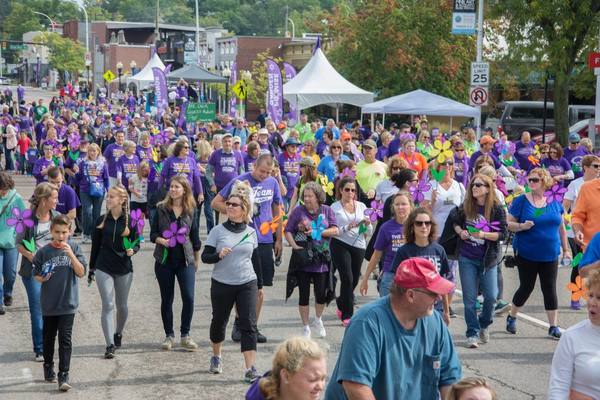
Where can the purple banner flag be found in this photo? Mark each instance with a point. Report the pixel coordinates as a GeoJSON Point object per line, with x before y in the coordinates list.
{"type": "Point", "coordinates": [168, 69]}
{"type": "Point", "coordinates": [290, 73]}
{"type": "Point", "coordinates": [233, 100]}
{"type": "Point", "coordinates": [274, 91]}
{"type": "Point", "coordinates": [160, 90]}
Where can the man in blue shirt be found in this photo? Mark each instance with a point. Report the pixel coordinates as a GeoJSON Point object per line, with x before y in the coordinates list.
{"type": "Point", "coordinates": [397, 347]}
{"type": "Point", "coordinates": [591, 258]}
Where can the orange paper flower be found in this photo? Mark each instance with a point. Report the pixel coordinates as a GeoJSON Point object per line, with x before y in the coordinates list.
{"type": "Point", "coordinates": [577, 290]}
{"type": "Point", "coordinates": [272, 226]}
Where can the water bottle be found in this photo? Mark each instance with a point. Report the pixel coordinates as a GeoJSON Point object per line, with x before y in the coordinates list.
{"type": "Point", "coordinates": [565, 262]}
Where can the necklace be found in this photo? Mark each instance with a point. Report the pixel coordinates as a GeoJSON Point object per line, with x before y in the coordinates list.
{"type": "Point", "coordinates": [535, 202]}
{"type": "Point", "coordinates": [354, 219]}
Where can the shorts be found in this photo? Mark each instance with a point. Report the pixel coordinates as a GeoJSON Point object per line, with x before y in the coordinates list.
{"type": "Point", "coordinates": [134, 205]}
{"type": "Point", "coordinates": [265, 270]}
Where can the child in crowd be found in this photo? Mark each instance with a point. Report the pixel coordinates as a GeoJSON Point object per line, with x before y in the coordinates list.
{"type": "Point", "coordinates": [57, 266]}
{"type": "Point", "coordinates": [32, 156]}
{"type": "Point", "coordinates": [23, 145]}
{"type": "Point", "coordinates": [138, 186]}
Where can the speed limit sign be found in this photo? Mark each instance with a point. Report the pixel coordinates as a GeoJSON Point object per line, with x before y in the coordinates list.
{"type": "Point", "coordinates": [480, 74]}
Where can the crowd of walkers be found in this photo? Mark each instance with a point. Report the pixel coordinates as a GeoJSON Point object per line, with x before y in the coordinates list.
{"type": "Point", "coordinates": [423, 208]}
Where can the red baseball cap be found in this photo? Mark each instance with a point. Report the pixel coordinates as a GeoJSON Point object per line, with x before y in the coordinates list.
{"type": "Point", "coordinates": [419, 272]}
{"type": "Point", "coordinates": [118, 119]}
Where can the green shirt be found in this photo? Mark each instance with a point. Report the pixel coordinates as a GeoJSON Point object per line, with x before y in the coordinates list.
{"type": "Point", "coordinates": [304, 131]}
{"type": "Point", "coordinates": [39, 112]}
{"type": "Point", "coordinates": [369, 175]}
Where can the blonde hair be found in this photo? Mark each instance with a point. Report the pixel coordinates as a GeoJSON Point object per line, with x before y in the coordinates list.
{"type": "Point", "coordinates": [141, 166]}
{"type": "Point", "coordinates": [488, 170]}
{"type": "Point", "coordinates": [470, 205]}
{"type": "Point", "coordinates": [587, 144]}
{"type": "Point", "coordinates": [290, 356]}
{"type": "Point", "coordinates": [544, 175]}
{"type": "Point", "coordinates": [458, 389]}
{"type": "Point", "coordinates": [128, 144]}
{"type": "Point", "coordinates": [122, 193]}
{"type": "Point", "coordinates": [593, 280]}
{"type": "Point", "coordinates": [188, 204]}
{"type": "Point", "coordinates": [204, 149]}
{"type": "Point", "coordinates": [95, 147]}
{"type": "Point", "coordinates": [42, 192]}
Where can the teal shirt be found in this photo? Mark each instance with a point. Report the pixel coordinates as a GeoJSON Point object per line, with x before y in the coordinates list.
{"type": "Point", "coordinates": [394, 362]}
{"type": "Point", "coordinates": [7, 233]}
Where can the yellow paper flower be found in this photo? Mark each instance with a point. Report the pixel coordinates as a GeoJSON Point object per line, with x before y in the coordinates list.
{"type": "Point", "coordinates": [326, 185]}
{"type": "Point", "coordinates": [155, 154]}
{"type": "Point", "coordinates": [441, 151]}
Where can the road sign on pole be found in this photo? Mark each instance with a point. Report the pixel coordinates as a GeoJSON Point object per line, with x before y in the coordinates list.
{"type": "Point", "coordinates": [109, 76]}
{"type": "Point", "coordinates": [480, 74]}
{"type": "Point", "coordinates": [240, 89]}
{"type": "Point", "coordinates": [594, 60]}
{"type": "Point", "coordinates": [478, 96]}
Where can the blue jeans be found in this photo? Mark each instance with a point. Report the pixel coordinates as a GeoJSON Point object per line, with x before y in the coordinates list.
{"type": "Point", "coordinates": [384, 283]}
{"type": "Point", "coordinates": [33, 289]}
{"type": "Point", "coordinates": [91, 208]}
{"type": "Point", "coordinates": [186, 276]}
{"type": "Point", "coordinates": [473, 276]}
{"type": "Point", "coordinates": [208, 211]}
{"type": "Point", "coordinates": [8, 156]}
{"type": "Point", "coordinates": [8, 271]}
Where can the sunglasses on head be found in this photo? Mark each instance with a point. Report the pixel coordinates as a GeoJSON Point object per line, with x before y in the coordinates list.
{"type": "Point", "coordinates": [422, 223]}
{"type": "Point", "coordinates": [479, 184]}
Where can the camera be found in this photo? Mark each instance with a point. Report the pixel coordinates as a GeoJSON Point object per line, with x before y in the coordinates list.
{"type": "Point", "coordinates": [510, 262]}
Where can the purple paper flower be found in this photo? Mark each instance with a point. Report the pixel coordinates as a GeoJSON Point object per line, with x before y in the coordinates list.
{"type": "Point", "coordinates": [407, 136]}
{"type": "Point", "coordinates": [159, 138]}
{"type": "Point", "coordinates": [20, 220]}
{"type": "Point", "coordinates": [137, 221]}
{"type": "Point", "coordinates": [484, 225]}
{"type": "Point", "coordinates": [505, 147]}
{"type": "Point", "coordinates": [521, 178]}
{"type": "Point", "coordinates": [348, 172]}
{"type": "Point", "coordinates": [376, 210]}
{"type": "Point", "coordinates": [175, 235]}
{"type": "Point", "coordinates": [556, 193]}
{"type": "Point", "coordinates": [419, 189]}
{"type": "Point", "coordinates": [74, 141]}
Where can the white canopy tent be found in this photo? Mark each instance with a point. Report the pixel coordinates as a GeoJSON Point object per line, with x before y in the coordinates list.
{"type": "Point", "coordinates": [145, 77]}
{"type": "Point", "coordinates": [319, 83]}
{"type": "Point", "coordinates": [421, 102]}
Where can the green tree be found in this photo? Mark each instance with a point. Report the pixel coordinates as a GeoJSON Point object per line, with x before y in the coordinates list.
{"type": "Point", "coordinates": [555, 35]}
{"type": "Point", "coordinates": [65, 54]}
{"type": "Point", "coordinates": [21, 20]}
{"type": "Point", "coordinates": [393, 46]}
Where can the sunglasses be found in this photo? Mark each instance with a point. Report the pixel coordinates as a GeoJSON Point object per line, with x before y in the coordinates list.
{"type": "Point", "coordinates": [336, 147]}
{"type": "Point", "coordinates": [544, 152]}
{"type": "Point", "coordinates": [186, 147]}
{"type": "Point", "coordinates": [447, 163]}
{"type": "Point", "coordinates": [479, 184]}
{"type": "Point", "coordinates": [423, 223]}
{"type": "Point", "coordinates": [459, 149]}
{"type": "Point", "coordinates": [533, 180]}
{"type": "Point", "coordinates": [396, 167]}
{"type": "Point", "coordinates": [414, 180]}
{"type": "Point", "coordinates": [596, 166]}
{"type": "Point", "coordinates": [230, 204]}
{"type": "Point", "coordinates": [349, 190]}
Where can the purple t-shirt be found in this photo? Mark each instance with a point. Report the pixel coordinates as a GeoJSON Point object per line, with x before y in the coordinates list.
{"type": "Point", "coordinates": [67, 199]}
{"type": "Point", "coordinates": [154, 177]}
{"type": "Point", "coordinates": [112, 154]}
{"type": "Point", "coordinates": [266, 193]}
{"type": "Point", "coordinates": [40, 164]}
{"type": "Point", "coordinates": [382, 152]}
{"type": "Point", "coordinates": [70, 163]}
{"type": "Point", "coordinates": [92, 171]}
{"type": "Point", "coordinates": [556, 167]}
{"type": "Point", "coordinates": [389, 239]}
{"type": "Point", "coordinates": [127, 168]}
{"type": "Point", "coordinates": [472, 248]}
{"type": "Point", "coordinates": [461, 169]}
{"type": "Point", "coordinates": [522, 153]}
{"type": "Point", "coordinates": [144, 153]}
{"type": "Point", "coordinates": [249, 162]}
{"type": "Point", "coordinates": [174, 166]}
{"type": "Point", "coordinates": [226, 166]}
{"type": "Point", "coordinates": [574, 157]}
{"type": "Point", "coordinates": [289, 166]}
{"type": "Point", "coordinates": [300, 215]}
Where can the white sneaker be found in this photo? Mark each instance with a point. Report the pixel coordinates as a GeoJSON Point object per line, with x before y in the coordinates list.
{"type": "Point", "coordinates": [188, 344]}
{"type": "Point", "coordinates": [306, 331]}
{"type": "Point", "coordinates": [320, 329]}
{"type": "Point", "coordinates": [472, 342]}
{"type": "Point", "coordinates": [484, 335]}
{"type": "Point", "coordinates": [168, 343]}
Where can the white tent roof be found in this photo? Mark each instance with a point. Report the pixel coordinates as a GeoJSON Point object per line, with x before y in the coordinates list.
{"type": "Point", "coordinates": [420, 102]}
{"type": "Point", "coordinates": [319, 83]}
{"type": "Point", "coordinates": [145, 77]}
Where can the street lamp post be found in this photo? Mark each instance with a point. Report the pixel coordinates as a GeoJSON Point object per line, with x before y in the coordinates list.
{"type": "Point", "coordinates": [87, 35]}
{"type": "Point", "coordinates": [133, 66]}
{"type": "Point", "coordinates": [246, 76]}
{"type": "Point", "coordinates": [119, 73]}
{"type": "Point", "coordinates": [49, 19]}
{"type": "Point", "coordinates": [226, 74]}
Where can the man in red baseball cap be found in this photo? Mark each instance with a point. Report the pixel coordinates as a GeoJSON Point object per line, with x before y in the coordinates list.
{"type": "Point", "coordinates": [397, 347]}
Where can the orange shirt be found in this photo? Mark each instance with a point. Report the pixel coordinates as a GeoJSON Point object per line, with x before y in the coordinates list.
{"type": "Point", "coordinates": [587, 209]}
{"type": "Point", "coordinates": [416, 162]}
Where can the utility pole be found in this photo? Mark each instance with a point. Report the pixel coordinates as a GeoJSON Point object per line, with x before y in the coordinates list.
{"type": "Point", "coordinates": [197, 36]}
{"type": "Point", "coordinates": [156, 31]}
{"type": "Point", "coordinates": [479, 52]}
{"type": "Point", "coordinates": [287, 12]}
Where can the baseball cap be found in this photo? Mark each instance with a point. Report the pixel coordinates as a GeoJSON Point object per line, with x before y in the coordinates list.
{"type": "Point", "coordinates": [369, 143]}
{"type": "Point", "coordinates": [263, 131]}
{"type": "Point", "coordinates": [419, 272]}
{"type": "Point", "coordinates": [487, 140]}
{"type": "Point", "coordinates": [226, 135]}
{"type": "Point", "coordinates": [237, 139]}
{"type": "Point", "coordinates": [574, 138]}
{"type": "Point", "coordinates": [281, 126]}
{"type": "Point", "coordinates": [307, 162]}
{"type": "Point", "coordinates": [346, 136]}
{"type": "Point", "coordinates": [118, 119]}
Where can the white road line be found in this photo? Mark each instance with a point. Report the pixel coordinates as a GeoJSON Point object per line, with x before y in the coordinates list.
{"type": "Point", "coordinates": [526, 317]}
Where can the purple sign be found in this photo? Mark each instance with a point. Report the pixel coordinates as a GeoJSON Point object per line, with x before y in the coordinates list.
{"type": "Point", "coordinates": [290, 73]}
{"type": "Point", "coordinates": [160, 90]}
{"type": "Point", "coordinates": [274, 91]}
{"type": "Point", "coordinates": [233, 100]}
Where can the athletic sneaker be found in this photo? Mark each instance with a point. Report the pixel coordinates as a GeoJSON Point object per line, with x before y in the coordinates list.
{"type": "Point", "coordinates": [110, 352]}
{"type": "Point", "coordinates": [575, 305]}
{"type": "Point", "coordinates": [118, 338]}
{"type": "Point", "coordinates": [511, 324]}
{"type": "Point", "coordinates": [168, 343]}
{"type": "Point", "coordinates": [484, 335]}
{"type": "Point", "coordinates": [63, 382]}
{"type": "Point", "coordinates": [49, 374]}
{"type": "Point", "coordinates": [472, 342]}
{"type": "Point", "coordinates": [319, 328]}
{"type": "Point", "coordinates": [306, 331]}
{"type": "Point", "coordinates": [39, 357]}
{"type": "Point", "coordinates": [216, 366]}
{"type": "Point", "coordinates": [554, 332]}
{"type": "Point", "coordinates": [251, 375]}
{"type": "Point", "coordinates": [188, 344]}
{"type": "Point", "coordinates": [260, 338]}
{"type": "Point", "coordinates": [501, 306]}
{"type": "Point", "coordinates": [236, 334]}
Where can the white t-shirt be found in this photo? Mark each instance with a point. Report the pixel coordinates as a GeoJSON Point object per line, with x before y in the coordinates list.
{"type": "Point", "coordinates": [43, 236]}
{"type": "Point", "coordinates": [444, 201]}
{"type": "Point", "coordinates": [572, 193]}
{"type": "Point", "coordinates": [385, 189]}
{"type": "Point", "coordinates": [140, 185]}
{"type": "Point", "coordinates": [576, 362]}
{"type": "Point", "coordinates": [344, 218]}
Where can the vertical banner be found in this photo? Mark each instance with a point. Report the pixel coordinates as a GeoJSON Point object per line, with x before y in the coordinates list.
{"type": "Point", "coordinates": [464, 17]}
{"type": "Point", "coordinates": [161, 96]}
{"type": "Point", "coordinates": [274, 91]}
{"type": "Point", "coordinates": [290, 73]}
{"type": "Point", "coordinates": [233, 100]}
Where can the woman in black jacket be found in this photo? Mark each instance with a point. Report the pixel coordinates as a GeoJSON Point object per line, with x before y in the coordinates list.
{"type": "Point", "coordinates": [110, 264]}
{"type": "Point", "coordinates": [480, 224]}
{"type": "Point", "coordinates": [175, 231]}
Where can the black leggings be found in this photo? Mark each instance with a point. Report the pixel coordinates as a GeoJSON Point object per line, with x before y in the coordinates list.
{"type": "Point", "coordinates": [319, 280]}
{"type": "Point", "coordinates": [348, 261]}
{"type": "Point", "coordinates": [575, 249]}
{"type": "Point", "coordinates": [63, 325]}
{"type": "Point", "coordinates": [528, 272]}
{"type": "Point", "coordinates": [223, 297]}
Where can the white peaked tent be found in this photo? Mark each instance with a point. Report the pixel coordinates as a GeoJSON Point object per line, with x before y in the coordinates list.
{"type": "Point", "coordinates": [319, 83]}
{"type": "Point", "coordinates": [145, 77]}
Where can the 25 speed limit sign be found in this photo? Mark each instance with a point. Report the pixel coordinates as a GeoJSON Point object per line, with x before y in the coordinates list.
{"type": "Point", "coordinates": [480, 74]}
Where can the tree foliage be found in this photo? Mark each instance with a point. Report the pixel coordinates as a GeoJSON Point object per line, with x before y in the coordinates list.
{"type": "Point", "coordinates": [555, 35]}
{"type": "Point", "coordinates": [65, 54]}
{"type": "Point", "coordinates": [257, 86]}
{"type": "Point", "coordinates": [393, 46]}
